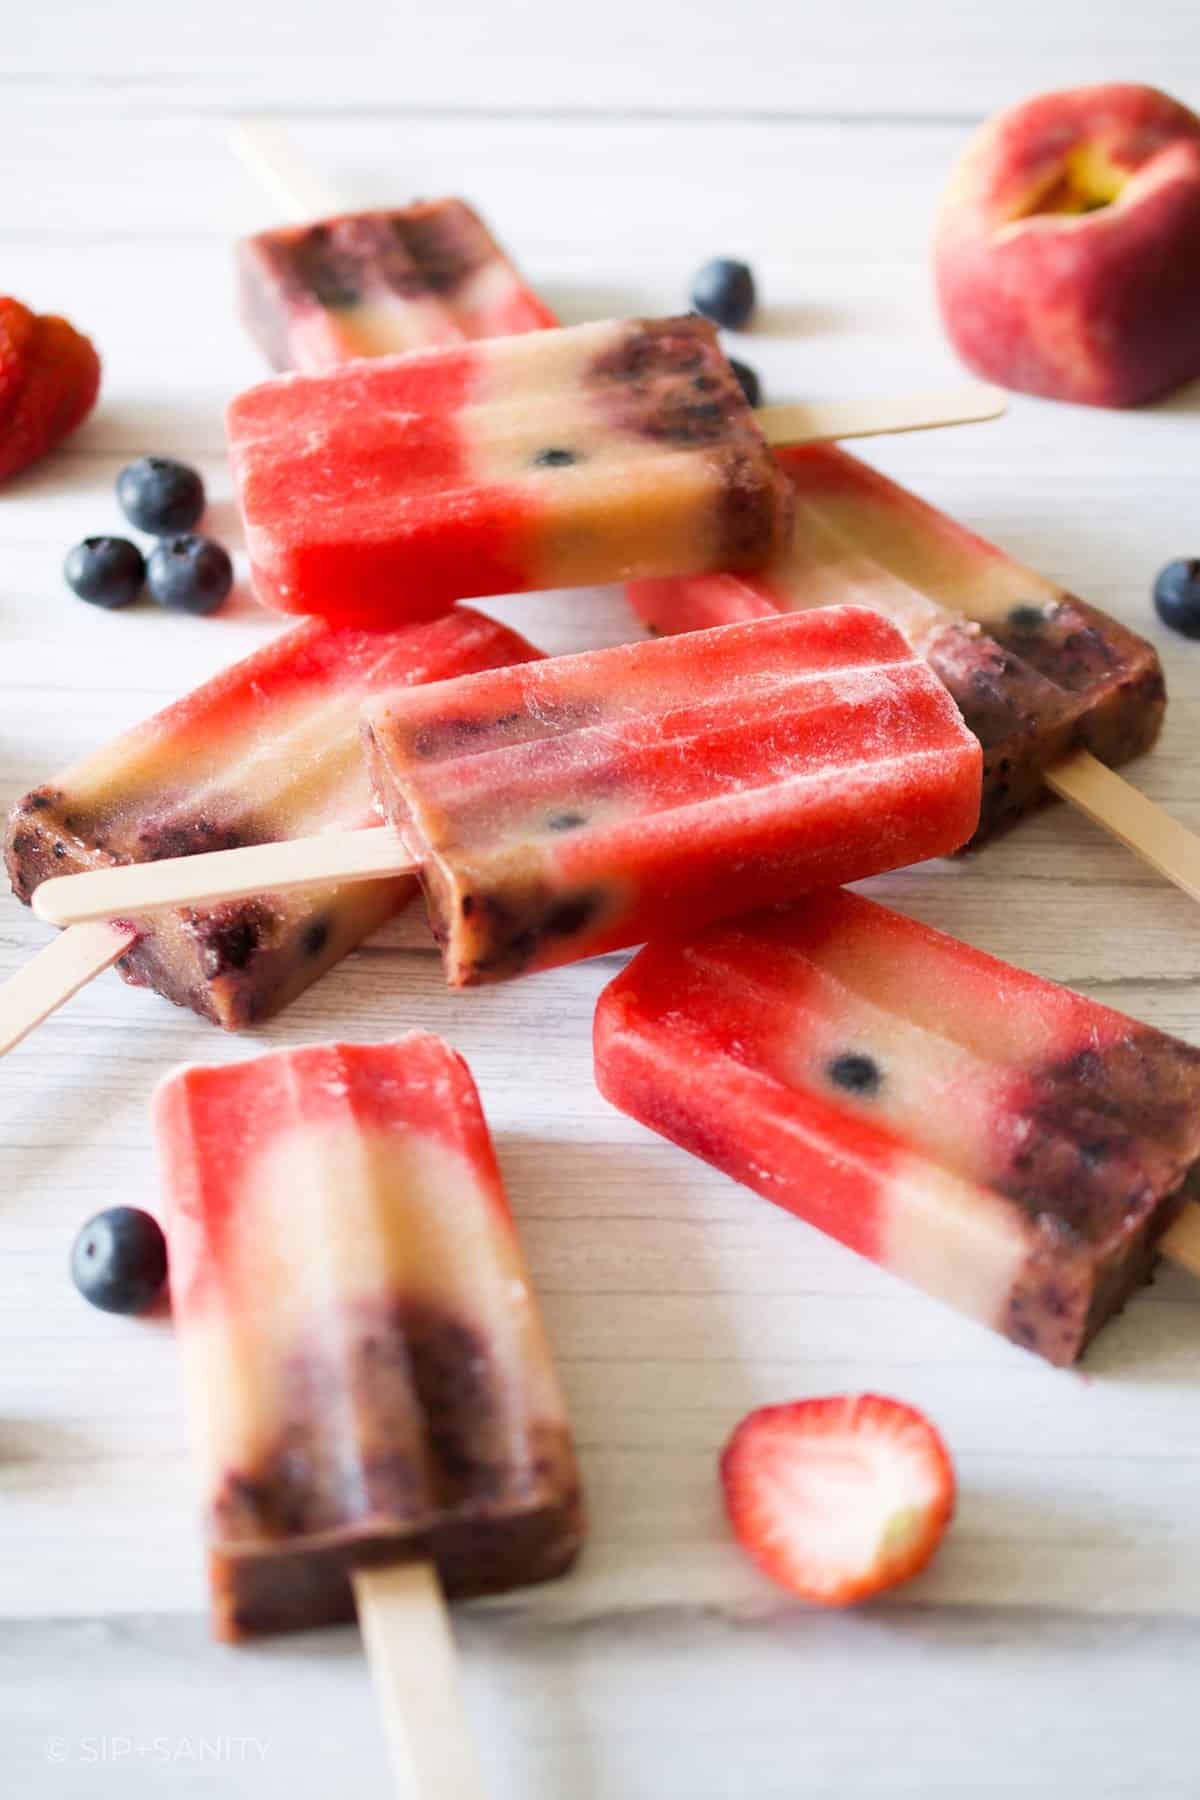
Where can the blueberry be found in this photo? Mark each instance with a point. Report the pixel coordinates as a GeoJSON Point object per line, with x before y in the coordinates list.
{"type": "Point", "coordinates": [724, 291]}
{"type": "Point", "coordinates": [1177, 597]}
{"type": "Point", "coordinates": [554, 458]}
{"type": "Point", "coordinates": [747, 380]}
{"type": "Point", "coordinates": [160, 496]}
{"type": "Point", "coordinates": [105, 571]}
{"type": "Point", "coordinates": [315, 937]}
{"type": "Point", "coordinates": [856, 1073]}
{"type": "Point", "coordinates": [189, 574]}
{"type": "Point", "coordinates": [119, 1260]}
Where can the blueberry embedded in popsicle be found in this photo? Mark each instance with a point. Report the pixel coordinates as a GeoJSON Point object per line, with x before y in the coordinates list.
{"type": "Point", "coordinates": [32, 840]}
{"type": "Point", "coordinates": [1115, 674]}
{"type": "Point", "coordinates": [573, 914]}
{"type": "Point", "coordinates": [386, 1353]}
{"type": "Point", "coordinates": [469, 732]}
{"type": "Point", "coordinates": [449, 736]}
{"type": "Point", "coordinates": [1023, 720]}
{"type": "Point", "coordinates": [314, 937]}
{"type": "Point", "coordinates": [321, 268]}
{"type": "Point", "coordinates": [158, 840]}
{"type": "Point", "coordinates": [856, 1073]}
{"type": "Point", "coordinates": [509, 933]}
{"type": "Point", "coordinates": [667, 380]}
{"type": "Point", "coordinates": [448, 243]}
{"type": "Point", "coordinates": [555, 457]}
{"type": "Point", "coordinates": [229, 937]}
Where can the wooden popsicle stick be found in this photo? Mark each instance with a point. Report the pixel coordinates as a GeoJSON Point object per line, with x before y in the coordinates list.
{"type": "Point", "coordinates": [881, 415]}
{"type": "Point", "coordinates": [415, 1670]}
{"type": "Point", "coordinates": [271, 158]}
{"type": "Point", "coordinates": [1113, 803]}
{"type": "Point", "coordinates": [54, 974]}
{"type": "Point", "coordinates": [1181, 1244]}
{"type": "Point", "coordinates": [1170, 848]}
{"type": "Point", "coordinates": [133, 888]}
{"type": "Point", "coordinates": [375, 853]}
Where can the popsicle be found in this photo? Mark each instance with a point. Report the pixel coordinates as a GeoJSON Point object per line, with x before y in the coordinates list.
{"type": "Point", "coordinates": [370, 1388]}
{"type": "Point", "coordinates": [1035, 672]}
{"type": "Point", "coordinates": [580, 804]}
{"type": "Point", "coordinates": [365, 283]}
{"type": "Point", "coordinates": [365, 1364]}
{"type": "Point", "coordinates": [394, 486]}
{"type": "Point", "coordinates": [1010, 1147]}
{"type": "Point", "coordinates": [268, 749]}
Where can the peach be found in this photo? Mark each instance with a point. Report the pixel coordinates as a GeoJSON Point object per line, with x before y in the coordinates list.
{"type": "Point", "coordinates": [1067, 254]}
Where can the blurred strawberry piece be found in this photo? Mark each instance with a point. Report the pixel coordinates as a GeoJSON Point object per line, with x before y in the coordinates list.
{"type": "Point", "coordinates": [49, 379]}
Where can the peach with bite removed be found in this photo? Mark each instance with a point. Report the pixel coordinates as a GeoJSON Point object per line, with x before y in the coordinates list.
{"type": "Point", "coordinates": [1067, 254]}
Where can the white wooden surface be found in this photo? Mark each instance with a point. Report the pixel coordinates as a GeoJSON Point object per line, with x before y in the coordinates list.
{"type": "Point", "coordinates": [1052, 1648]}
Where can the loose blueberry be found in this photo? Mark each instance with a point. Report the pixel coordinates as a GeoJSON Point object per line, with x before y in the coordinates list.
{"type": "Point", "coordinates": [555, 458]}
{"type": "Point", "coordinates": [189, 574]}
{"type": "Point", "coordinates": [748, 381]}
{"type": "Point", "coordinates": [1177, 597]}
{"type": "Point", "coordinates": [119, 1260]}
{"type": "Point", "coordinates": [105, 571]}
{"type": "Point", "coordinates": [160, 496]}
{"type": "Point", "coordinates": [856, 1073]}
{"type": "Point", "coordinates": [724, 291]}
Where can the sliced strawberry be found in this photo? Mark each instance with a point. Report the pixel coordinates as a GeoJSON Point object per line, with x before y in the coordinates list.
{"type": "Point", "coordinates": [837, 1499]}
{"type": "Point", "coordinates": [49, 378]}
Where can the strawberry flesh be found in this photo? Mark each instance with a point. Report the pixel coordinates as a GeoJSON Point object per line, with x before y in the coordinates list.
{"type": "Point", "coordinates": [837, 1499]}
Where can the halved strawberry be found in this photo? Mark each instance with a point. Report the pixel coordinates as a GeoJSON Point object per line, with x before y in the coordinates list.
{"type": "Point", "coordinates": [838, 1498]}
{"type": "Point", "coordinates": [49, 378]}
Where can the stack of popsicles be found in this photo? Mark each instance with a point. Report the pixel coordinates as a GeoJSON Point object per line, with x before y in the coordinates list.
{"type": "Point", "coordinates": [629, 404]}
{"type": "Point", "coordinates": [561, 808]}
{"type": "Point", "coordinates": [385, 1398]}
